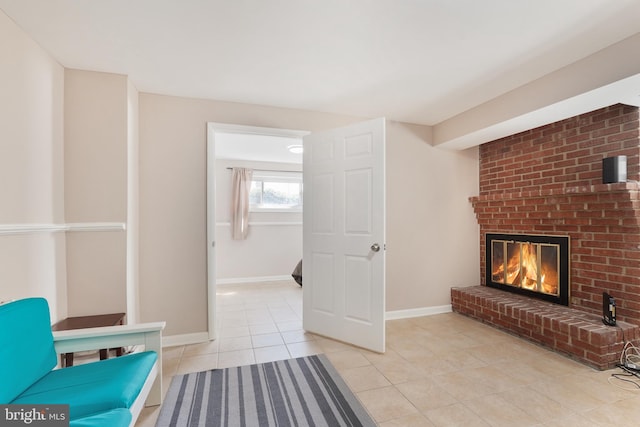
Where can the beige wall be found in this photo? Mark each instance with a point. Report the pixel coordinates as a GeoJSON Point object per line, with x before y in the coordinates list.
{"type": "Point", "coordinates": [431, 232]}
{"type": "Point", "coordinates": [429, 216]}
{"type": "Point", "coordinates": [431, 227]}
{"type": "Point", "coordinates": [95, 146]}
{"type": "Point", "coordinates": [607, 77]}
{"type": "Point", "coordinates": [173, 264]}
{"type": "Point", "coordinates": [96, 171]}
{"type": "Point", "coordinates": [31, 169]}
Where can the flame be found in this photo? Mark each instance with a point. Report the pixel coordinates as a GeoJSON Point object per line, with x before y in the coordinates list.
{"type": "Point", "coordinates": [513, 270]}
{"type": "Point", "coordinates": [529, 266]}
{"type": "Point", "coordinates": [525, 270]}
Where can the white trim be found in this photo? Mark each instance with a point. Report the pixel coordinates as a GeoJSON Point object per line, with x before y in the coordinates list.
{"type": "Point", "coordinates": [256, 130]}
{"type": "Point", "coordinates": [72, 340]}
{"type": "Point", "coordinates": [212, 129]}
{"type": "Point", "coordinates": [30, 228]}
{"type": "Point", "coordinates": [264, 223]}
{"type": "Point", "coordinates": [185, 339]}
{"type": "Point", "coordinates": [293, 209]}
{"type": "Point", "coordinates": [211, 233]}
{"type": "Point", "coordinates": [147, 334]}
{"type": "Point", "coordinates": [139, 403]}
{"type": "Point", "coordinates": [241, 280]}
{"type": "Point", "coordinates": [8, 229]}
{"type": "Point", "coordinates": [417, 312]}
{"type": "Point", "coordinates": [96, 226]}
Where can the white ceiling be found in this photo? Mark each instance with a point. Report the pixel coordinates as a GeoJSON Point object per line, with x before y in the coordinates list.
{"type": "Point", "coordinates": [416, 61]}
{"type": "Point", "coordinates": [256, 147]}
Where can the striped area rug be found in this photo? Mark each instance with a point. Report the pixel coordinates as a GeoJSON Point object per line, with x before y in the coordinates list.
{"type": "Point", "coordinates": [306, 391]}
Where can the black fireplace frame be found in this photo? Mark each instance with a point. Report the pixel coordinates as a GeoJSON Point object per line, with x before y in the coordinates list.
{"type": "Point", "coordinates": [563, 243]}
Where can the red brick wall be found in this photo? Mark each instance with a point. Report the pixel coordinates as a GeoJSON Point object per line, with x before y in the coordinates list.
{"type": "Point", "coordinates": [548, 180]}
{"type": "Point", "coordinates": [564, 154]}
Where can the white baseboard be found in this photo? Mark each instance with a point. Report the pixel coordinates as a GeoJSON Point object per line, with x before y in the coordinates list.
{"type": "Point", "coordinates": [185, 339]}
{"type": "Point", "coordinates": [417, 312]}
{"type": "Point", "coordinates": [240, 280]}
{"type": "Point", "coordinates": [200, 337]}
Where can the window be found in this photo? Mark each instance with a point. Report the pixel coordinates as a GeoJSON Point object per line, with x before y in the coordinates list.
{"type": "Point", "coordinates": [276, 192]}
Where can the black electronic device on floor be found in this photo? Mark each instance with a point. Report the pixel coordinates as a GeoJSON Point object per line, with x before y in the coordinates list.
{"type": "Point", "coordinates": [608, 309]}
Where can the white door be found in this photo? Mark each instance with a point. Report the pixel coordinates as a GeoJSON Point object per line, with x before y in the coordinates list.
{"type": "Point", "coordinates": [344, 234]}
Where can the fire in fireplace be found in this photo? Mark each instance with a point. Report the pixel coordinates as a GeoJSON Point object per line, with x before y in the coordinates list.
{"type": "Point", "coordinates": [537, 266]}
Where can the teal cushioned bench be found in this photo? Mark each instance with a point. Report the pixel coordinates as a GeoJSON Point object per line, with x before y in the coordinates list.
{"type": "Point", "coordinates": [93, 387]}
{"type": "Point", "coordinates": [102, 393]}
{"type": "Point", "coordinates": [26, 345]}
{"type": "Point", "coordinates": [114, 417]}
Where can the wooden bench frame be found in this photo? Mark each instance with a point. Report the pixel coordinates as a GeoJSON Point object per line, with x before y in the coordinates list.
{"type": "Point", "coordinates": [147, 334]}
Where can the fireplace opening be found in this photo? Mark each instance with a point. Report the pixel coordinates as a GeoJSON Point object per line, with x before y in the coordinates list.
{"type": "Point", "coordinates": [537, 266]}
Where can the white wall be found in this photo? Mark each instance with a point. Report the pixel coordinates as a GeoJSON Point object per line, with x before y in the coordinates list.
{"type": "Point", "coordinates": [269, 250]}
{"type": "Point", "coordinates": [31, 169]}
{"type": "Point", "coordinates": [133, 211]}
{"type": "Point", "coordinates": [609, 76]}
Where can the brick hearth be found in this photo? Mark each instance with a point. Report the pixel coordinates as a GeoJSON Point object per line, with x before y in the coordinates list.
{"type": "Point", "coordinates": [548, 181]}
{"type": "Point", "coordinates": [575, 333]}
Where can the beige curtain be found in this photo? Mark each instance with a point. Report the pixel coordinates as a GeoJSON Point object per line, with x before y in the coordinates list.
{"type": "Point", "coordinates": [241, 185]}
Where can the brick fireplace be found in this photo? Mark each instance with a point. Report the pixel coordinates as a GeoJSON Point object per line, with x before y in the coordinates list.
{"type": "Point", "coordinates": [548, 181]}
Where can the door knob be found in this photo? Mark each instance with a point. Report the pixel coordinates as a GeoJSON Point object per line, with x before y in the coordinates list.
{"type": "Point", "coordinates": [375, 247]}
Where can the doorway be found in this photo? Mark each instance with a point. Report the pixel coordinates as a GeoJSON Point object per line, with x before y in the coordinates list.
{"type": "Point", "coordinates": [275, 157]}
{"type": "Point", "coordinates": [343, 228]}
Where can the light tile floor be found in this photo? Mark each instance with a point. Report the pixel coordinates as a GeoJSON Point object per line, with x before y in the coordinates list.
{"type": "Point", "coordinates": [441, 370]}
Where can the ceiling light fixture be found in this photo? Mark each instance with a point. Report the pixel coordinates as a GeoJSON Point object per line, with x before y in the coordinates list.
{"type": "Point", "coordinates": [295, 149]}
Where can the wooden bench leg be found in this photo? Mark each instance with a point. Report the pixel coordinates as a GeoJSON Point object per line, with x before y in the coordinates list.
{"type": "Point", "coordinates": [66, 360]}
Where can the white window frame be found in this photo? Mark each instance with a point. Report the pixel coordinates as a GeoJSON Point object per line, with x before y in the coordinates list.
{"type": "Point", "coordinates": [277, 176]}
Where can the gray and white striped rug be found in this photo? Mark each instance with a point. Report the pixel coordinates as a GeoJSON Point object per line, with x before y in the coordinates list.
{"type": "Point", "coordinates": [306, 391]}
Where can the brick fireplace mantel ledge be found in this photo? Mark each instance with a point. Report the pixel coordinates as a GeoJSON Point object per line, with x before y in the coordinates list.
{"type": "Point", "coordinates": [621, 187]}
{"type": "Point", "coordinates": [572, 332]}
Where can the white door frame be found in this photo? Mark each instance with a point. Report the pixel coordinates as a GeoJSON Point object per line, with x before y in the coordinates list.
{"type": "Point", "coordinates": [212, 129]}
